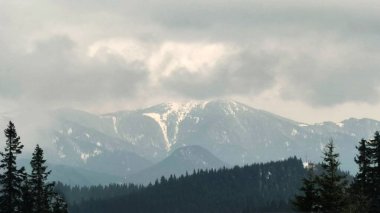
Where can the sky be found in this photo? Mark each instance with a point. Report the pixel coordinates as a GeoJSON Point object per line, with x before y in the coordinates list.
{"type": "Point", "coordinates": [310, 61]}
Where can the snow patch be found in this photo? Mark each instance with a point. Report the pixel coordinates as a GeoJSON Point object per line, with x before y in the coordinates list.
{"type": "Point", "coordinates": [321, 146]}
{"type": "Point", "coordinates": [55, 139]}
{"type": "Point", "coordinates": [84, 156]}
{"type": "Point", "coordinates": [164, 128]}
{"type": "Point", "coordinates": [60, 153]}
{"type": "Point", "coordinates": [294, 132]}
{"type": "Point", "coordinates": [340, 124]}
{"type": "Point", "coordinates": [114, 124]}
{"type": "Point", "coordinates": [97, 152]}
{"type": "Point", "coordinates": [203, 104]}
{"type": "Point", "coordinates": [268, 175]}
{"type": "Point", "coordinates": [305, 164]}
{"type": "Point", "coordinates": [179, 112]}
{"type": "Point", "coordinates": [69, 131]}
{"type": "Point", "coordinates": [133, 139]}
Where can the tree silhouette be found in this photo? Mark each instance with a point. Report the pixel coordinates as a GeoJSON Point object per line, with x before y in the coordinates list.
{"type": "Point", "coordinates": [308, 201]}
{"type": "Point", "coordinates": [374, 147]}
{"type": "Point", "coordinates": [26, 197]}
{"type": "Point", "coordinates": [11, 179]}
{"type": "Point", "coordinates": [360, 190]}
{"type": "Point", "coordinates": [332, 184]}
{"type": "Point", "coordinates": [42, 191]}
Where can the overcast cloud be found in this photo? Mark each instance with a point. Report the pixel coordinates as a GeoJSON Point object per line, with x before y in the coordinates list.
{"type": "Point", "coordinates": [313, 59]}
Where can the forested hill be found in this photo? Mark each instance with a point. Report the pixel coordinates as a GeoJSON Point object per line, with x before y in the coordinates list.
{"type": "Point", "coordinates": [256, 188]}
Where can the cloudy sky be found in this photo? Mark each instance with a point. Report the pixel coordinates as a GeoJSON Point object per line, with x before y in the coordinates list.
{"type": "Point", "coordinates": [306, 60]}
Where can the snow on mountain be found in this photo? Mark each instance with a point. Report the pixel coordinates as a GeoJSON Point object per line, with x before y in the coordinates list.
{"type": "Point", "coordinates": [126, 142]}
{"type": "Point", "coordinates": [234, 132]}
{"type": "Point", "coordinates": [177, 113]}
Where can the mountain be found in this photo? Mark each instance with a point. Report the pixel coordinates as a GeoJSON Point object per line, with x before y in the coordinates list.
{"type": "Point", "coordinates": [127, 142]}
{"type": "Point", "coordinates": [85, 140]}
{"type": "Point", "coordinates": [81, 177]}
{"type": "Point", "coordinates": [75, 176]}
{"type": "Point", "coordinates": [180, 161]}
{"type": "Point", "coordinates": [267, 187]}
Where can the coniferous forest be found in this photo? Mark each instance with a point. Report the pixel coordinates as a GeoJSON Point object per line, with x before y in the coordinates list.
{"type": "Point", "coordinates": [255, 188]}
{"type": "Point", "coordinates": [24, 192]}
{"type": "Point", "coordinates": [330, 191]}
{"type": "Point", "coordinates": [283, 186]}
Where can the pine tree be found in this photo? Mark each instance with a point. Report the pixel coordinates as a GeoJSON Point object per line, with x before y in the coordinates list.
{"type": "Point", "coordinates": [332, 185]}
{"type": "Point", "coordinates": [374, 147]}
{"type": "Point", "coordinates": [308, 200]}
{"type": "Point", "coordinates": [42, 192]}
{"type": "Point", "coordinates": [360, 188]}
{"type": "Point", "coordinates": [10, 192]}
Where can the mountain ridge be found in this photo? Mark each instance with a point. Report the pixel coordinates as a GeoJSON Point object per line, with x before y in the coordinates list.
{"type": "Point", "coordinates": [234, 132]}
{"type": "Point", "coordinates": [182, 160]}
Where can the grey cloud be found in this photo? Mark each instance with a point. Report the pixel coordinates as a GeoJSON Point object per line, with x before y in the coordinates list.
{"type": "Point", "coordinates": [296, 33]}
{"type": "Point", "coordinates": [325, 84]}
{"type": "Point", "coordinates": [298, 30]}
{"type": "Point", "coordinates": [242, 73]}
{"type": "Point", "coordinates": [243, 19]}
{"type": "Point", "coordinates": [55, 73]}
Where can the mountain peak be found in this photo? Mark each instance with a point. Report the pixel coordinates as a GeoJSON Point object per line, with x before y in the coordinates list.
{"type": "Point", "coordinates": [182, 160]}
{"type": "Point", "coordinates": [195, 156]}
{"type": "Point", "coordinates": [229, 106]}
{"type": "Point", "coordinates": [192, 151]}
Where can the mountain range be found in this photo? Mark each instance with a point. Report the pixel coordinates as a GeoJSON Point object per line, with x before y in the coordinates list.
{"type": "Point", "coordinates": [149, 141]}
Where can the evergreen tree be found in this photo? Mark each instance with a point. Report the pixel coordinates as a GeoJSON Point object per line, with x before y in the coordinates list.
{"type": "Point", "coordinates": [59, 205]}
{"type": "Point", "coordinates": [332, 185]}
{"type": "Point", "coordinates": [308, 200]}
{"type": "Point", "coordinates": [27, 199]}
{"type": "Point", "coordinates": [265, 187]}
{"type": "Point", "coordinates": [42, 192]}
{"type": "Point", "coordinates": [361, 187]}
{"type": "Point", "coordinates": [11, 178]}
{"type": "Point", "coordinates": [374, 147]}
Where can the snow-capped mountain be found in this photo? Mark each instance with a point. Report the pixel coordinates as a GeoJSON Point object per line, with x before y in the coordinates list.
{"type": "Point", "coordinates": [182, 160]}
{"type": "Point", "coordinates": [126, 142]}
{"type": "Point", "coordinates": [85, 140]}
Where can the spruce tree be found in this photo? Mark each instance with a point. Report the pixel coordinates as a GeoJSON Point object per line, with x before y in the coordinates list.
{"type": "Point", "coordinates": [360, 188]}
{"type": "Point", "coordinates": [11, 178]}
{"type": "Point", "coordinates": [308, 200]}
{"type": "Point", "coordinates": [59, 205]}
{"type": "Point", "coordinates": [27, 199]}
{"type": "Point", "coordinates": [374, 147]}
{"type": "Point", "coordinates": [42, 191]}
{"type": "Point", "coordinates": [332, 185]}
